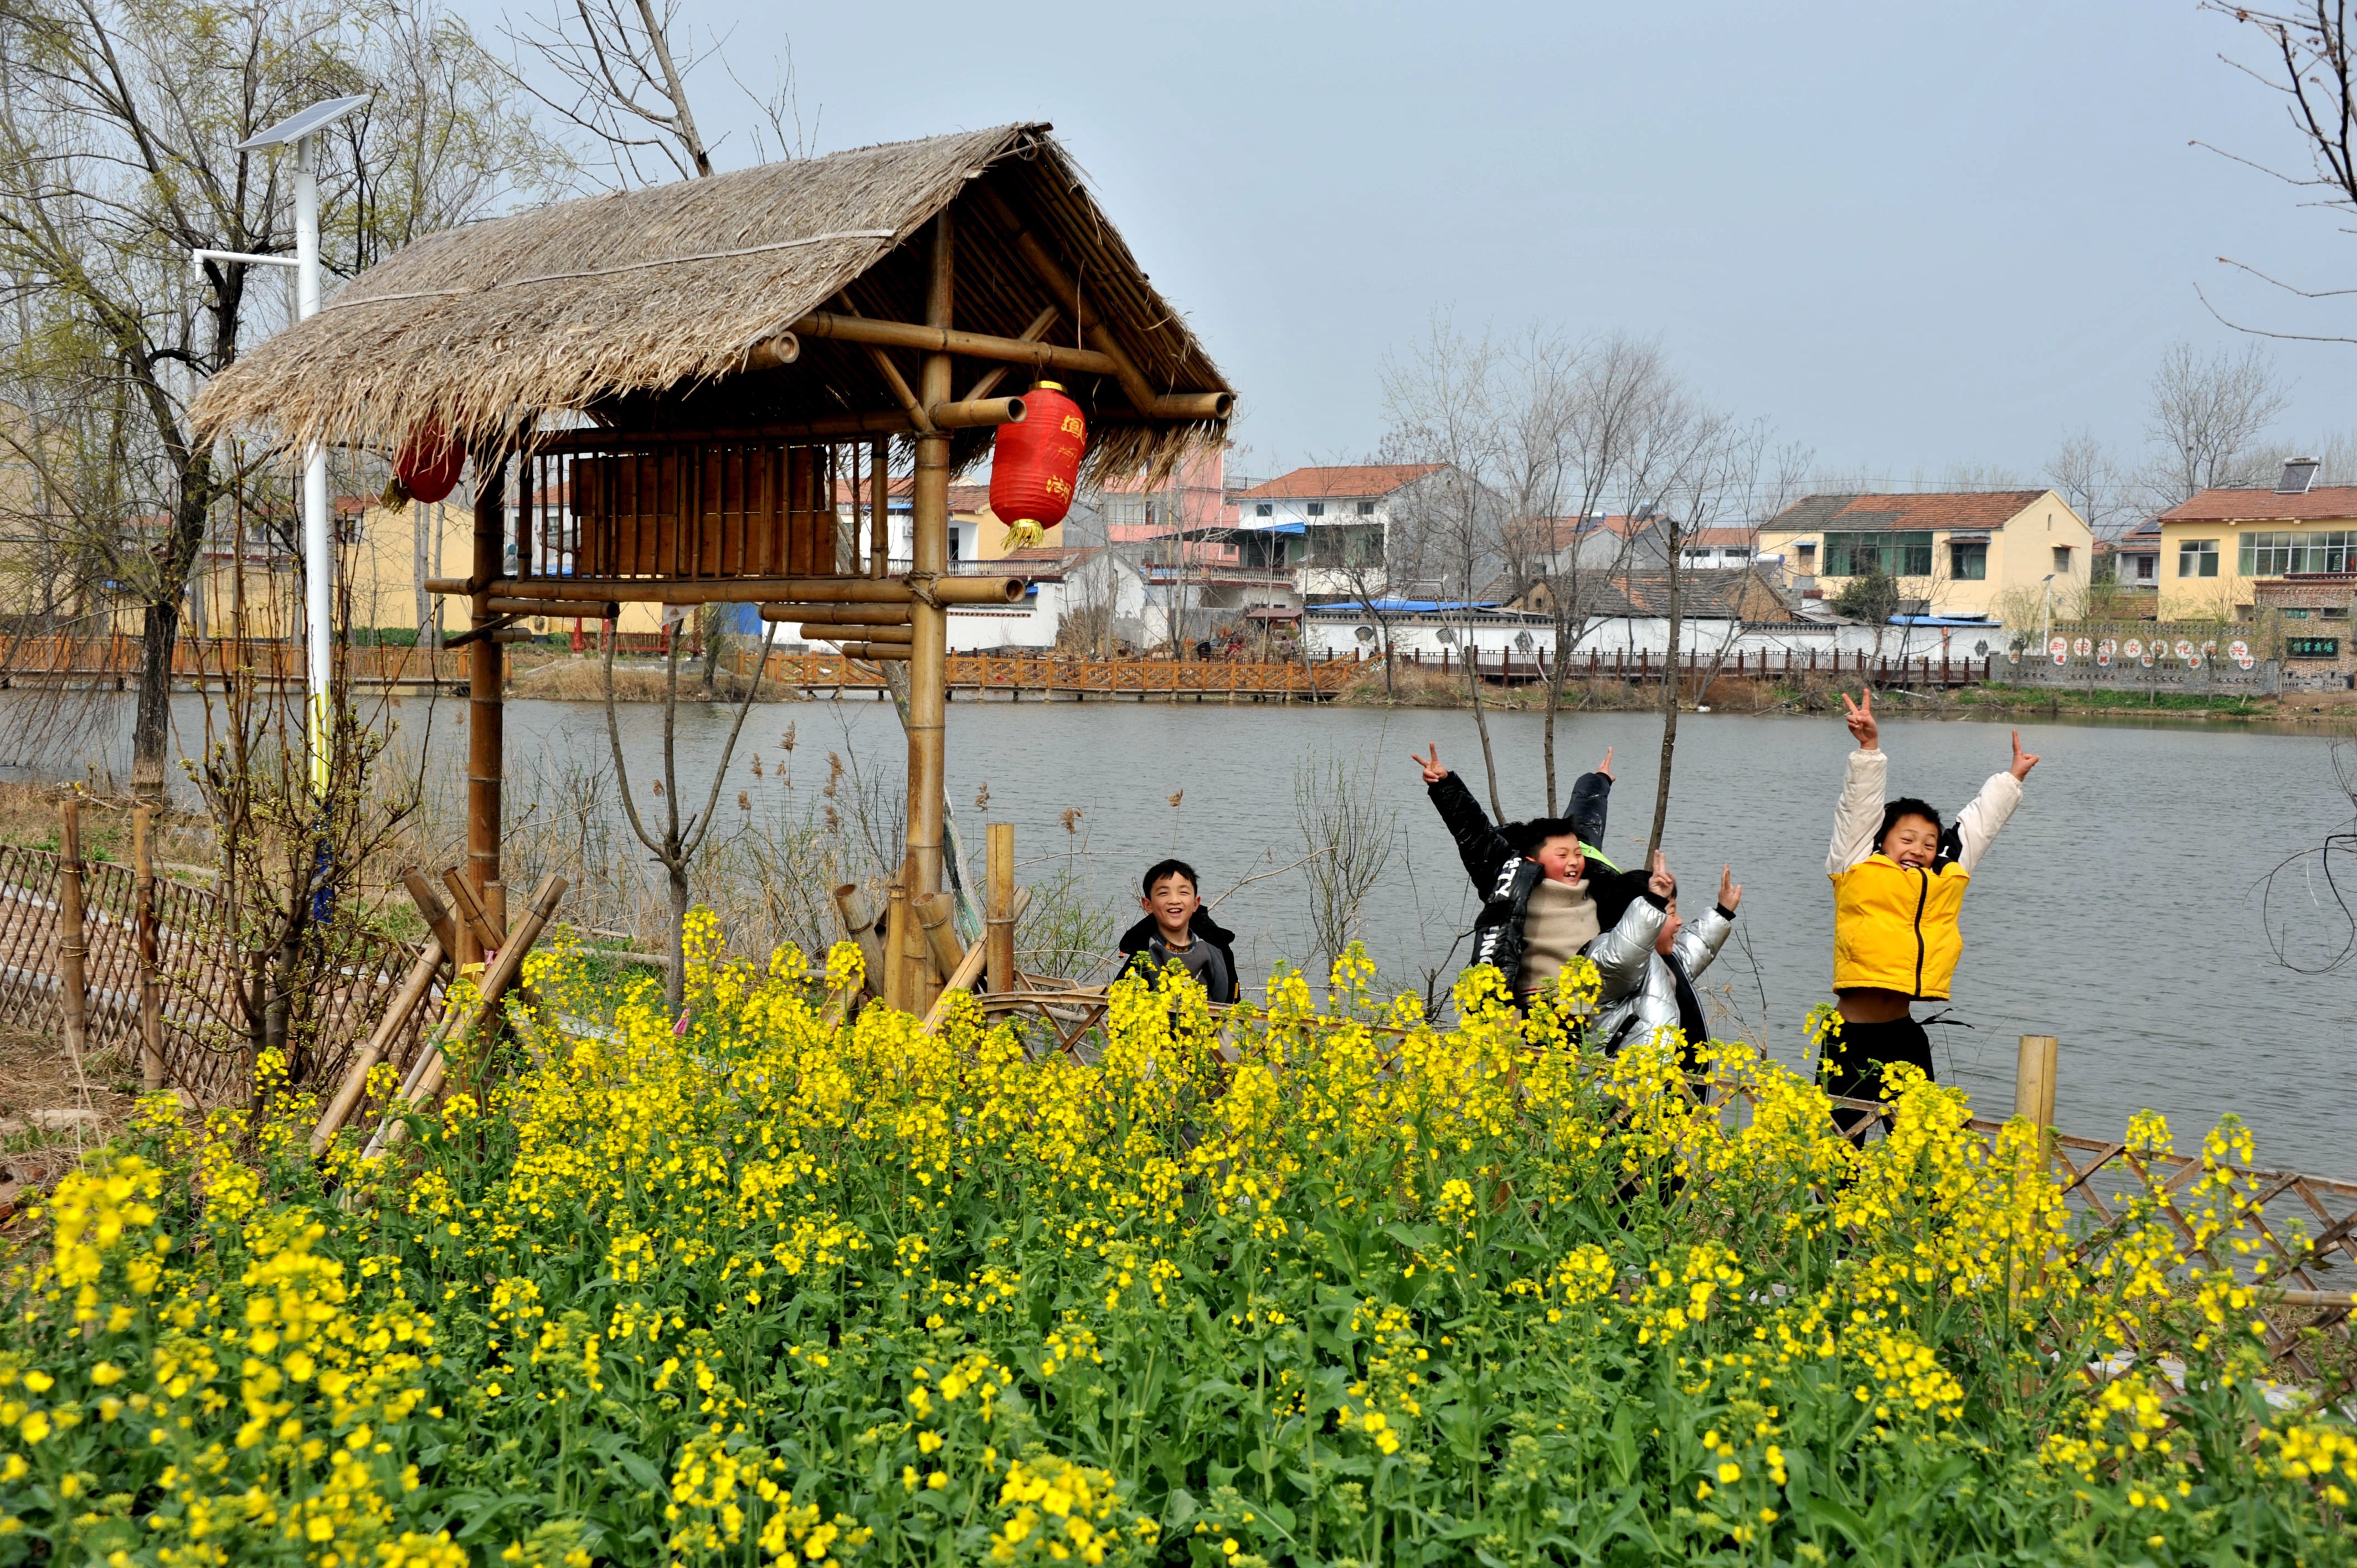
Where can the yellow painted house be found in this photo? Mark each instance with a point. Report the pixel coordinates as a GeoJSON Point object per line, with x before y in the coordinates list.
{"type": "Point", "coordinates": [1962, 552]}
{"type": "Point", "coordinates": [2217, 548]}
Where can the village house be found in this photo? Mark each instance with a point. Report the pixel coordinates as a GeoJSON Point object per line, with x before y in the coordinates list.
{"type": "Point", "coordinates": [1341, 519]}
{"type": "Point", "coordinates": [2218, 547]}
{"type": "Point", "coordinates": [1953, 552]}
{"type": "Point", "coordinates": [2136, 558]}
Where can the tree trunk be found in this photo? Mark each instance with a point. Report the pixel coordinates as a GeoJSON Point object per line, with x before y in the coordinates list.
{"type": "Point", "coordinates": [675, 983]}
{"type": "Point", "coordinates": [1482, 723]}
{"type": "Point", "coordinates": [151, 726]}
{"type": "Point", "coordinates": [1554, 706]}
{"type": "Point", "coordinates": [1669, 714]}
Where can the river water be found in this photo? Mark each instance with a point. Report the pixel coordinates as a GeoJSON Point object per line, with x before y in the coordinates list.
{"type": "Point", "coordinates": [2122, 909]}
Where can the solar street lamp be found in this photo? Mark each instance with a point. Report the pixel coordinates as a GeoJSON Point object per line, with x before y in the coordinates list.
{"type": "Point", "coordinates": [301, 129]}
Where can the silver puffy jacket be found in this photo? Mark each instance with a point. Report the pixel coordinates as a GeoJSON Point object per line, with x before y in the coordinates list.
{"type": "Point", "coordinates": [1640, 994]}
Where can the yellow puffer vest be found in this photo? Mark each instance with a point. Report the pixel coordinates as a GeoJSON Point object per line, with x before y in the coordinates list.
{"type": "Point", "coordinates": [1895, 927]}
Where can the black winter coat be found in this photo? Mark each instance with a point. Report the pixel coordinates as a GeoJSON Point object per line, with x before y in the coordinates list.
{"type": "Point", "coordinates": [1504, 879]}
{"type": "Point", "coordinates": [1136, 959]}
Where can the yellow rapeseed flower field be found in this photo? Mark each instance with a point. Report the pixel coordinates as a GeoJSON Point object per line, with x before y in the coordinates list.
{"type": "Point", "coordinates": [768, 1287]}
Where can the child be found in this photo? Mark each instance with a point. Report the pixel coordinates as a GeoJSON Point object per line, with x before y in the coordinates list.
{"type": "Point", "coordinates": [1665, 996]}
{"type": "Point", "coordinates": [1899, 881]}
{"type": "Point", "coordinates": [1177, 927]}
{"type": "Point", "coordinates": [1542, 902]}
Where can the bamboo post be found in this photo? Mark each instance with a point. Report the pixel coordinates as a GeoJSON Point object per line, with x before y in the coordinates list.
{"type": "Point", "coordinates": [860, 926]}
{"type": "Point", "coordinates": [355, 1081]}
{"type": "Point", "coordinates": [935, 912]}
{"type": "Point", "coordinates": [2033, 1080]}
{"type": "Point", "coordinates": [928, 560]}
{"type": "Point", "coordinates": [142, 920]}
{"type": "Point", "coordinates": [73, 946]}
{"type": "Point", "coordinates": [475, 922]}
{"type": "Point", "coordinates": [896, 946]}
{"type": "Point", "coordinates": [486, 712]}
{"type": "Point", "coordinates": [879, 512]}
{"type": "Point", "coordinates": [999, 930]}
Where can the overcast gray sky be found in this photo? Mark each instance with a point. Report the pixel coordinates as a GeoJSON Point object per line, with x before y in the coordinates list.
{"type": "Point", "coordinates": [1909, 235]}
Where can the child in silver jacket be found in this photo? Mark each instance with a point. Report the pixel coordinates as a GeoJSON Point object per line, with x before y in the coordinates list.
{"type": "Point", "coordinates": [1659, 992]}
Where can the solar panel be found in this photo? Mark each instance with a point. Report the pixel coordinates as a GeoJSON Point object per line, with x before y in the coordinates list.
{"type": "Point", "coordinates": [303, 121]}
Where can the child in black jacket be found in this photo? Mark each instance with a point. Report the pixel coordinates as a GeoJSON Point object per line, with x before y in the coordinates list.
{"type": "Point", "coordinates": [1545, 892]}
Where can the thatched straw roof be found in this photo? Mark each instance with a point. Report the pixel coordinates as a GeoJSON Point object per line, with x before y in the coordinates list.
{"type": "Point", "coordinates": [638, 307]}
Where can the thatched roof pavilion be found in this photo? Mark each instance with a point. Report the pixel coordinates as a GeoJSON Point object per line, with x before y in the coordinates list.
{"type": "Point", "coordinates": [696, 368]}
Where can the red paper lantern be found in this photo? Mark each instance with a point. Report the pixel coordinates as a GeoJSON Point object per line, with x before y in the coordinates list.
{"type": "Point", "coordinates": [429, 463]}
{"type": "Point", "coordinates": [1034, 465]}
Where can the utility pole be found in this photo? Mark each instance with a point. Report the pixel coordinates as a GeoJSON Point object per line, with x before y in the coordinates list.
{"type": "Point", "coordinates": [319, 526]}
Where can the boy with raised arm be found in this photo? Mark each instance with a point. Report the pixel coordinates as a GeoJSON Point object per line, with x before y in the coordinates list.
{"type": "Point", "coordinates": [1544, 896]}
{"type": "Point", "coordinates": [1899, 883]}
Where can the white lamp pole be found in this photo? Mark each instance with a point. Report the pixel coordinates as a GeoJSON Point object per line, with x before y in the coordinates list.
{"type": "Point", "coordinates": [318, 525]}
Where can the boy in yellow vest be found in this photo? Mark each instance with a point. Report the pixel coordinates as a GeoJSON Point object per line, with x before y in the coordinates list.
{"type": "Point", "coordinates": [1899, 881]}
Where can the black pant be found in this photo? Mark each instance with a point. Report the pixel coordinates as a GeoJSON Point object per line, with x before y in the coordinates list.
{"type": "Point", "coordinates": [1858, 1052]}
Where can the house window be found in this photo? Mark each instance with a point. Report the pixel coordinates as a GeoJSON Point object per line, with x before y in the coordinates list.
{"type": "Point", "coordinates": [2061, 558]}
{"type": "Point", "coordinates": [2341, 613]}
{"type": "Point", "coordinates": [2145, 567]}
{"type": "Point", "coordinates": [1896, 554]}
{"type": "Point", "coordinates": [1316, 509]}
{"type": "Point", "coordinates": [1346, 544]}
{"type": "Point", "coordinates": [2196, 557]}
{"type": "Point", "coordinates": [2295, 615]}
{"type": "Point", "coordinates": [1366, 508]}
{"type": "Point", "coordinates": [1737, 552]}
{"type": "Point", "coordinates": [1808, 553]}
{"type": "Point", "coordinates": [1264, 509]}
{"type": "Point", "coordinates": [2312, 647]}
{"type": "Point", "coordinates": [1968, 563]}
{"type": "Point", "coordinates": [2274, 555]}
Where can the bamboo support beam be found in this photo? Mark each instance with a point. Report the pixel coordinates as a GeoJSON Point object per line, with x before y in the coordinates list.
{"type": "Point", "coordinates": [145, 936]}
{"type": "Point", "coordinates": [1123, 370]}
{"type": "Point", "coordinates": [839, 615]}
{"type": "Point", "coordinates": [834, 427]}
{"type": "Point", "coordinates": [431, 908]}
{"type": "Point", "coordinates": [540, 591]}
{"type": "Point", "coordinates": [976, 413]}
{"type": "Point", "coordinates": [961, 978]}
{"type": "Point", "coordinates": [425, 1085]}
{"type": "Point", "coordinates": [932, 339]}
{"type": "Point", "coordinates": [414, 987]}
{"type": "Point", "coordinates": [824, 631]}
{"type": "Point", "coordinates": [997, 373]}
{"type": "Point", "coordinates": [878, 652]}
{"type": "Point", "coordinates": [587, 610]}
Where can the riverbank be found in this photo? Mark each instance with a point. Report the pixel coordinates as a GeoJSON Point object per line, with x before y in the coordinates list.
{"type": "Point", "coordinates": [1411, 687]}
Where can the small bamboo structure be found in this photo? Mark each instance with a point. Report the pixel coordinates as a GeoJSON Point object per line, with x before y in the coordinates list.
{"type": "Point", "coordinates": [667, 396]}
{"type": "Point", "coordinates": [145, 935]}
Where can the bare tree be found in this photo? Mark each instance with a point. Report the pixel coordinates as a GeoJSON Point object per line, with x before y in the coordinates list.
{"type": "Point", "coordinates": [1442, 400]}
{"type": "Point", "coordinates": [625, 85]}
{"type": "Point", "coordinates": [2083, 474]}
{"type": "Point", "coordinates": [2206, 415]}
{"type": "Point", "coordinates": [117, 160]}
{"type": "Point", "coordinates": [1616, 388]}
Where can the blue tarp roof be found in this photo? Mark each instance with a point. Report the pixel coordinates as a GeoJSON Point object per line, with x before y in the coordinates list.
{"type": "Point", "coordinates": [1406, 607]}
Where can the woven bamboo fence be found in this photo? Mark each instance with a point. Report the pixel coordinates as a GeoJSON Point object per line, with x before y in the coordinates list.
{"type": "Point", "coordinates": [188, 979]}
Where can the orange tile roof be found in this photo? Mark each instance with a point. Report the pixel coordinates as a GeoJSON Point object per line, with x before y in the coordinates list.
{"type": "Point", "coordinates": [1356, 479]}
{"type": "Point", "coordinates": [2324, 503]}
